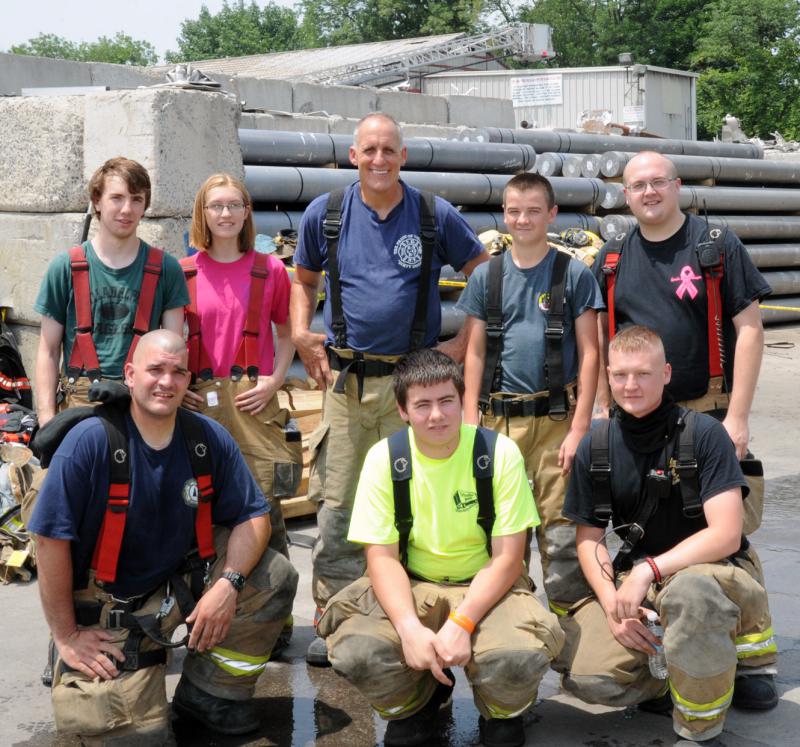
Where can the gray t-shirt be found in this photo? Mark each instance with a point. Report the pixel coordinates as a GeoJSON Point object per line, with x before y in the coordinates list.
{"type": "Point", "coordinates": [526, 299]}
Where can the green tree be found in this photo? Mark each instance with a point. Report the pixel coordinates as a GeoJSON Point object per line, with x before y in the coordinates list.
{"type": "Point", "coordinates": [334, 22]}
{"type": "Point", "coordinates": [120, 49]}
{"type": "Point", "coordinates": [238, 29]}
{"type": "Point", "coordinates": [748, 55]}
{"type": "Point", "coordinates": [595, 32]}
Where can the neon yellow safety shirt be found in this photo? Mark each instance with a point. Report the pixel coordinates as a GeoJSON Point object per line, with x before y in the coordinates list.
{"type": "Point", "coordinates": [446, 543]}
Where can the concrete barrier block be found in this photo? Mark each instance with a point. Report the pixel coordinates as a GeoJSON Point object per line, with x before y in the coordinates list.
{"type": "Point", "coordinates": [283, 122]}
{"type": "Point", "coordinates": [347, 101]}
{"type": "Point", "coordinates": [27, 337]}
{"type": "Point", "coordinates": [480, 112]}
{"type": "Point", "coordinates": [413, 107]}
{"type": "Point", "coordinates": [24, 71]}
{"type": "Point", "coordinates": [28, 241]}
{"type": "Point", "coordinates": [433, 131]}
{"type": "Point", "coordinates": [123, 76]}
{"type": "Point", "coordinates": [342, 125]}
{"type": "Point", "coordinates": [179, 136]}
{"type": "Point", "coordinates": [263, 93]}
{"type": "Point", "coordinates": [41, 157]}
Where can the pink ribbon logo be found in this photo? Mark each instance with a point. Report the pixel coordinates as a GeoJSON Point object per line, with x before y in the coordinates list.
{"type": "Point", "coordinates": [686, 285]}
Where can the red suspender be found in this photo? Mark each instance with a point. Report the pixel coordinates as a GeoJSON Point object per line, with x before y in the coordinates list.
{"type": "Point", "coordinates": [202, 521]}
{"type": "Point", "coordinates": [199, 360]}
{"type": "Point", "coordinates": [84, 353]}
{"type": "Point", "coordinates": [109, 541]}
{"type": "Point", "coordinates": [247, 355]}
{"type": "Point", "coordinates": [713, 276]}
{"type": "Point", "coordinates": [610, 271]}
{"type": "Point", "coordinates": [147, 297]}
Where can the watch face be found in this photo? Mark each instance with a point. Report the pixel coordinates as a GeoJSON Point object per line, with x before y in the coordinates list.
{"type": "Point", "coordinates": [237, 579]}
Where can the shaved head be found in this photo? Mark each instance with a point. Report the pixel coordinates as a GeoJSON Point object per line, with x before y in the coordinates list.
{"type": "Point", "coordinates": [652, 159]}
{"type": "Point", "coordinates": [159, 339]}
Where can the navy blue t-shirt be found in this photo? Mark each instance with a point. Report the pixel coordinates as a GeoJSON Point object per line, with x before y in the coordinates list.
{"type": "Point", "coordinates": [379, 266]}
{"type": "Point", "coordinates": [159, 528]}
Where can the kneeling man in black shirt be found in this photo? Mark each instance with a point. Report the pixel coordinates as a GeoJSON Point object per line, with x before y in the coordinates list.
{"type": "Point", "coordinates": [669, 481]}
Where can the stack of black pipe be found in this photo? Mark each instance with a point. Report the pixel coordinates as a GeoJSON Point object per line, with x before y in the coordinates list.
{"type": "Point", "coordinates": [730, 182]}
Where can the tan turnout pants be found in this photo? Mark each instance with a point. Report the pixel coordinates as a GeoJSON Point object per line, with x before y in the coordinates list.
{"type": "Point", "coordinates": [512, 648]}
{"type": "Point", "coordinates": [714, 616]}
{"type": "Point", "coordinates": [346, 432]}
{"type": "Point", "coordinates": [539, 439]}
{"type": "Point", "coordinates": [132, 708]}
{"type": "Point", "coordinates": [276, 464]}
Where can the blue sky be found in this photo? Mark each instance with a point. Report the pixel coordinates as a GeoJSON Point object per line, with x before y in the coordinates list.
{"type": "Point", "coordinates": [155, 21]}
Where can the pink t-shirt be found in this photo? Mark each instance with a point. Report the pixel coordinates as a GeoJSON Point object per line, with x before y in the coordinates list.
{"type": "Point", "coordinates": [223, 290]}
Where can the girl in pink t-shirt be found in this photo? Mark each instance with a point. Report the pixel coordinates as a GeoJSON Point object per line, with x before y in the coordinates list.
{"type": "Point", "coordinates": [237, 384]}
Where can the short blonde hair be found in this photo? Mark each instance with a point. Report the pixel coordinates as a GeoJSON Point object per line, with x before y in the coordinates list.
{"type": "Point", "coordinates": [199, 234]}
{"type": "Point", "coordinates": [635, 339]}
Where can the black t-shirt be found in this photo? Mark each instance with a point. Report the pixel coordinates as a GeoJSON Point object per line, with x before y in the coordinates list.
{"type": "Point", "coordinates": [660, 285]}
{"type": "Point", "coordinates": [718, 471]}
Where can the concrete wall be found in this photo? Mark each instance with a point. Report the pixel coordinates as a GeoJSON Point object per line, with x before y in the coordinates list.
{"type": "Point", "coordinates": [23, 71]}
{"type": "Point", "coordinates": [480, 112]}
{"type": "Point", "coordinates": [338, 125]}
{"type": "Point", "coordinates": [348, 101]}
{"type": "Point", "coordinates": [284, 122]}
{"type": "Point", "coordinates": [413, 107]}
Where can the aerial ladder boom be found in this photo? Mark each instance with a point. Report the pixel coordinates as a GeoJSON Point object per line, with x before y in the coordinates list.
{"type": "Point", "coordinates": [529, 41]}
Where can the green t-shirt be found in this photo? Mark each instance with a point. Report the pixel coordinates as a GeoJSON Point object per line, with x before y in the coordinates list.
{"type": "Point", "coordinates": [446, 543]}
{"type": "Point", "coordinates": [114, 297]}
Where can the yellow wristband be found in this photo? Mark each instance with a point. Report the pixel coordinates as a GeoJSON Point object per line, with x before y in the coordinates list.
{"type": "Point", "coordinates": [462, 621]}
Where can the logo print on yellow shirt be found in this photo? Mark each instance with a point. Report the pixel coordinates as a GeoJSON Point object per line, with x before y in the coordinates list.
{"type": "Point", "coordinates": [465, 500]}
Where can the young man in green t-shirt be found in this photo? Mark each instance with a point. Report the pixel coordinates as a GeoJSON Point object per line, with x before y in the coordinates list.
{"type": "Point", "coordinates": [394, 633]}
{"type": "Point", "coordinates": [117, 263]}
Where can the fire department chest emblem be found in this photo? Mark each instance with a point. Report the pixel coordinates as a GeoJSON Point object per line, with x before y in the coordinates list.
{"type": "Point", "coordinates": [408, 251]}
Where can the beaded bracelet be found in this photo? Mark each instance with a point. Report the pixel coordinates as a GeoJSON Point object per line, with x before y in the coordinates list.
{"type": "Point", "coordinates": [653, 567]}
{"type": "Point", "coordinates": [462, 621]}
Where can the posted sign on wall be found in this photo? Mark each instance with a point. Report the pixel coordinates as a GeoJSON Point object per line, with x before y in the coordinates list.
{"type": "Point", "coordinates": [537, 90]}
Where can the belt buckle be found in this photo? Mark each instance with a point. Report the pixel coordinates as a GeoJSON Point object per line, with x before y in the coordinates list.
{"type": "Point", "coordinates": [114, 618]}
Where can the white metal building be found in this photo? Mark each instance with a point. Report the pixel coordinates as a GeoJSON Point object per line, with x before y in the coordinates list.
{"type": "Point", "coordinates": [656, 99]}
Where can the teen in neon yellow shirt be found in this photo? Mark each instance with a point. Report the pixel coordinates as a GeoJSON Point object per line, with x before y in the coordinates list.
{"type": "Point", "coordinates": [446, 543]}
{"type": "Point", "coordinates": [394, 633]}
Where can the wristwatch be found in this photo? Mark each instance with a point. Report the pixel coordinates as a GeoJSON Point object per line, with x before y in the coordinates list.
{"type": "Point", "coordinates": [237, 579]}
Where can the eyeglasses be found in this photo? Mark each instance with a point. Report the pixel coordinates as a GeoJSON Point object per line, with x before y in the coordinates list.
{"type": "Point", "coordinates": [659, 183]}
{"type": "Point", "coordinates": [233, 207]}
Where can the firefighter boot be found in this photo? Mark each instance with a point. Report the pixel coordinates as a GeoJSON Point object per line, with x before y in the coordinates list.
{"type": "Point", "coordinates": [755, 692]}
{"type": "Point", "coordinates": [218, 714]}
{"type": "Point", "coordinates": [420, 727]}
{"type": "Point", "coordinates": [501, 732]}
